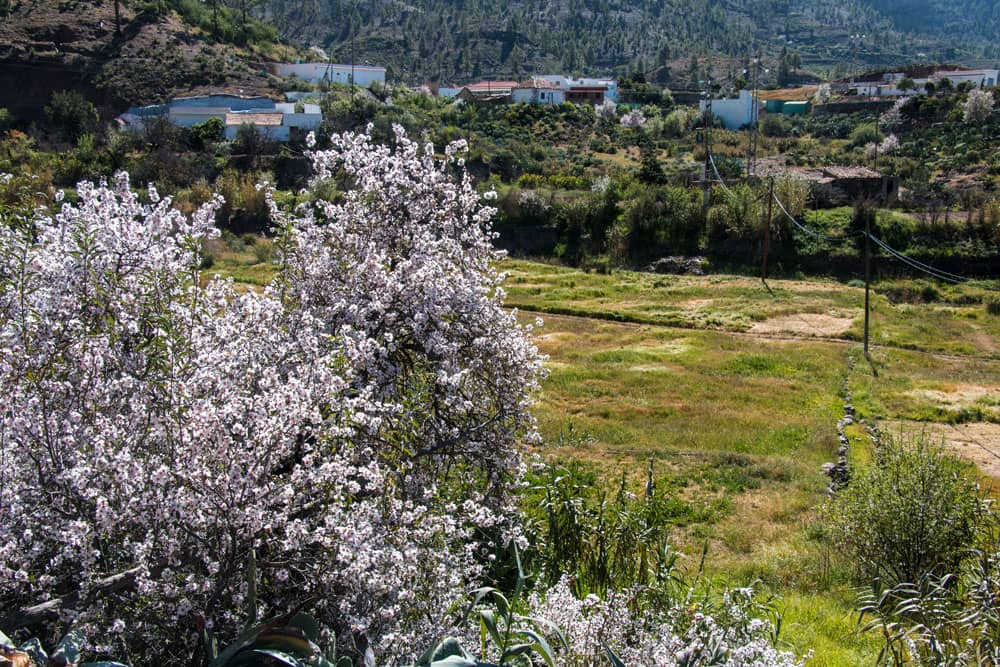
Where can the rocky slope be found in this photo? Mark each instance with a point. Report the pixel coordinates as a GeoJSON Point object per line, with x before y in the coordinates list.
{"type": "Point", "coordinates": [49, 45]}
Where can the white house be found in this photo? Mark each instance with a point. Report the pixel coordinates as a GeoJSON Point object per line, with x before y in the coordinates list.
{"type": "Point", "coordinates": [887, 86]}
{"type": "Point", "coordinates": [980, 78]}
{"type": "Point", "coordinates": [538, 91]}
{"type": "Point", "coordinates": [734, 113]}
{"type": "Point", "coordinates": [362, 75]}
{"type": "Point", "coordinates": [280, 121]}
{"type": "Point", "coordinates": [569, 85]}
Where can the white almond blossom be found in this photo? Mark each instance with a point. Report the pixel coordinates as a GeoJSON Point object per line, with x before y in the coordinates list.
{"type": "Point", "coordinates": [345, 438]}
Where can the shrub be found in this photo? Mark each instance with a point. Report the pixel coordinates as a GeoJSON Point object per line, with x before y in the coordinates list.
{"type": "Point", "coordinates": [775, 125]}
{"type": "Point", "coordinates": [71, 114]}
{"type": "Point", "coordinates": [992, 303]}
{"type": "Point", "coordinates": [913, 512]}
{"type": "Point", "coordinates": [866, 133]}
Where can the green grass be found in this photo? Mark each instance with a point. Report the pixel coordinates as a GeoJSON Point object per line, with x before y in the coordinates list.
{"type": "Point", "coordinates": [737, 429]}
{"type": "Point", "coordinates": [737, 424]}
{"type": "Point", "coordinates": [816, 308]}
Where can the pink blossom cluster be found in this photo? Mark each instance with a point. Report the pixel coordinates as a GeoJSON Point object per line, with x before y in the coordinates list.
{"type": "Point", "coordinates": [346, 438]}
{"type": "Point", "coordinates": [681, 635]}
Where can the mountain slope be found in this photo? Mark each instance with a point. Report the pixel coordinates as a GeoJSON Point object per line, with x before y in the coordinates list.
{"type": "Point", "coordinates": [462, 39]}
{"type": "Point", "coordinates": [951, 19]}
{"type": "Point", "coordinates": [51, 45]}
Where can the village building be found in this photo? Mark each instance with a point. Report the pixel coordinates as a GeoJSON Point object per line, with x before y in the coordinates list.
{"type": "Point", "coordinates": [584, 90]}
{"type": "Point", "coordinates": [545, 89]}
{"type": "Point", "coordinates": [361, 75]}
{"type": "Point", "coordinates": [887, 84]}
{"type": "Point", "coordinates": [538, 91]}
{"type": "Point", "coordinates": [734, 113]}
{"type": "Point", "coordinates": [280, 121]}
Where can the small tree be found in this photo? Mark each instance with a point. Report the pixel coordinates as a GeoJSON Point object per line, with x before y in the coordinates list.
{"type": "Point", "coordinates": [633, 119]}
{"type": "Point", "coordinates": [906, 84]}
{"type": "Point", "coordinates": [606, 110]}
{"type": "Point", "coordinates": [175, 452]}
{"type": "Point", "coordinates": [978, 107]}
{"type": "Point", "coordinates": [71, 114]}
{"type": "Point", "coordinates": [207, 133]}
{"type": "Point", "coordinates": [915, 511]}
{"type": "Point", "coordinates": [822, 94]}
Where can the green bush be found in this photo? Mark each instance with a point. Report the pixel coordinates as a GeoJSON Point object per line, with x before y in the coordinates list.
{"type": "Point", "coordinates": [775, 125]}
{"type": "Point", "coordinates": [205, 134]}
{"type": "Point", "coordinates": [71, 114]}
{"type": "Point", "coordinates": [915, 511]}
{"type": "Point", "coordinates": [992, 304]}
{"type": "Point", "coordinates": [864, 134]}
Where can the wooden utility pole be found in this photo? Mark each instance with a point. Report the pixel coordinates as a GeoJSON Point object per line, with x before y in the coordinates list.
{"type": "Point", "coordinates": [767, 228]}
{"type": "Point", "coordinates": [707, 141]}
{"type": "Point", "coordinates": [754, 116]}
{"type": "Point", "coordinates": [868, 274]}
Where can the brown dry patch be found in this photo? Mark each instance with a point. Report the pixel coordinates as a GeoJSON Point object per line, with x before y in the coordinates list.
{"type": "Point", "coordinates": [697, 303]}
{"type": "Point", "coordinates": [957, 395]}
{"type": "Point", "coordinates": [554, 337]}
{"type": "Point", "coordinates": [789, 94]}
{"type": "Point", "coordinates": [806, 324]}
{"type": "Point", "coordinates": [977, 443]}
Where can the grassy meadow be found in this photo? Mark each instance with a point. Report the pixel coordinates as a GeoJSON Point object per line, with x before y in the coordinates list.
{"type": "Point", "coordinates": [733, 392]}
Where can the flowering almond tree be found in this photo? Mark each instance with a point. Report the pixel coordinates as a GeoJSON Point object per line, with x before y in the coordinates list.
{"type": "Point", "coordinates": [978, 107]}
{"type": "Point", "coordinates": [174, 452]}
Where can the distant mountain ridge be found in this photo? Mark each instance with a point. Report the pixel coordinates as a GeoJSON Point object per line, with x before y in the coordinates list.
{"type": "Point", "coordinates": [457, 40]}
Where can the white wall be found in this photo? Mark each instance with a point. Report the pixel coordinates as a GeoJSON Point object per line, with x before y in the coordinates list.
{"type": "Point", "coordinates": [319, 72]}
{"type": "Point", "coordinates": [538, 96]}
{"type": "Point", "coordinates": [734, 114]}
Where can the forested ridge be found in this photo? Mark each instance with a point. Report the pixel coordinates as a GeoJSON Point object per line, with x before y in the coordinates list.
{"type": "Point", "coordinates": [463, 39]}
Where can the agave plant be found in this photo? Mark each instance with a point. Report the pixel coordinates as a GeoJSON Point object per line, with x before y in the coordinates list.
{"type": "Point", "coordinates": [513, 637]}
{"type": "Point", "coordinates": [31, 653]}
{"type": "Point", "coordinates": [292, 639]}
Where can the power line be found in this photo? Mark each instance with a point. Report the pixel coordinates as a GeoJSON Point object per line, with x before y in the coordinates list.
{"type": "Point", "coordinates": [932, 271]}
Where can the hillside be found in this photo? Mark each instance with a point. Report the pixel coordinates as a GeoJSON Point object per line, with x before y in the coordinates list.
{"type": "Point", "coordinates": [73, 45]}
{"type": "Point", "coordinates": [462, 39]}
{"type": "Point", "coordinates": [951, 19]}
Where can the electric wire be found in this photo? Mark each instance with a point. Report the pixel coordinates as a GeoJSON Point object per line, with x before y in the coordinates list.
{"type": "Point", "coordinates": [940, 274]}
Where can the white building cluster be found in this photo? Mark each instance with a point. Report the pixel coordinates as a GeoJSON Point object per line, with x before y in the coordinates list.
{"type": "Point", "coordinates": [888, 84]}
{"type": "Point", "coordinates": [548, 89]}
